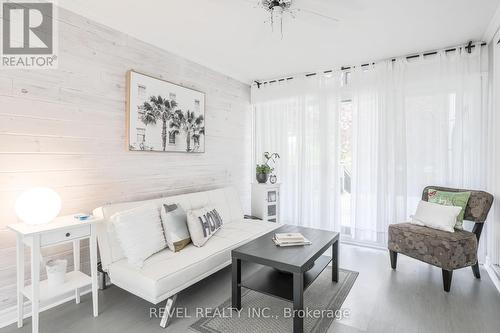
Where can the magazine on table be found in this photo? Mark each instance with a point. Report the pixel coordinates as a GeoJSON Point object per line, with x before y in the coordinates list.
{"type": "Point", "coordinates": [290, 239]}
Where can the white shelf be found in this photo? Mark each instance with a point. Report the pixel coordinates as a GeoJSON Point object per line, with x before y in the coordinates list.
{"type": "Point", "coordinates": [74, 280]}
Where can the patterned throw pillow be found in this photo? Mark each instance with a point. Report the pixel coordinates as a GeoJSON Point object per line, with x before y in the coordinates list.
{"type": "Point", "coordinates": [174, 221]}
{"type": "Point", "coordinates": [459, 199]}
{"type": "Point", "coordinates": [203, 223]}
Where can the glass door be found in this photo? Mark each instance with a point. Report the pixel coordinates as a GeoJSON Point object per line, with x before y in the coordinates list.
{"type": "Point", "coordinates": [272, 209]}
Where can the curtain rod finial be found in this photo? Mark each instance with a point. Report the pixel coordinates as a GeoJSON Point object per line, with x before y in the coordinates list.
{"type": "Point", "coordinates": [469, 47]}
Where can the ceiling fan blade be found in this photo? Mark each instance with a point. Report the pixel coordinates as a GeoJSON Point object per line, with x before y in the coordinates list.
{"type": "Point", "coordinates": [338, 9]}
{"type": "Point", "coordinates": [304, 11]}
{"type": "Point", "coordinates": [329, 5]}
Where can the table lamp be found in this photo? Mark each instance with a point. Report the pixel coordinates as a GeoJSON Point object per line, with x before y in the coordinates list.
{"type": "Point", "coordinates": [38, 205]}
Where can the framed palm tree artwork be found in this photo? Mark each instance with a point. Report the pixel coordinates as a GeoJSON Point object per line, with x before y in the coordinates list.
{"type": "Point", "coordinates": [163, 116]}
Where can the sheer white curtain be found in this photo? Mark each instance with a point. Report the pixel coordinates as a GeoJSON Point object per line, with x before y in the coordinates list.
{"type": "Point", "coordinates": [299, 120]}
{"type": "Point", "coordinates": [416, 123]}
{"type": "Point", "coordinates": [378, 193]}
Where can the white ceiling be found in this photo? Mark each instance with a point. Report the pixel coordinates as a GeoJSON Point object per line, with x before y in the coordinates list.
{"type": "Point", "coordinates": [230, 36]}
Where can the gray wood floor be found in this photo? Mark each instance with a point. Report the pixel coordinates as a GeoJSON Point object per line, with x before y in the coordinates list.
{"type": "Point", "coordinates": [409, 300]}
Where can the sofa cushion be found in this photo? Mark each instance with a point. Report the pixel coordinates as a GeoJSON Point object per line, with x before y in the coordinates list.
{"type": "Point", "coordinates": [245, 230]}
{"type": "Point", "coordinates": [436, 247]}
{"type": "Point", "coordinates": [167, 273]}
{"type": "Point", "coordinates": [174, 220]}
{"type": "Point", "coordinates": [139, 240]}
{"type": "Point", "coordinates": [226, 200]}
{"type": "Point", "coordinates": [109, 246]}
{"type": "Point", "coordinates": [234, 203]}
{"type": "Point", "coordinates": [252, 227]}
{"type": "Point", "coordinates": [233, 235]}
{"type": "Point", "coordinates": [203, 223]}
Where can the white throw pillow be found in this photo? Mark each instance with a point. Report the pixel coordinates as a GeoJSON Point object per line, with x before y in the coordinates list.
{"type": "Point", "coordinates": [203, 223]}
{"type": "Point", "coordinates": [436, 216]}
{"type": "Point", "coordinates": [139, 232]}
{"type": "Point", "coordinates": [174, 221]}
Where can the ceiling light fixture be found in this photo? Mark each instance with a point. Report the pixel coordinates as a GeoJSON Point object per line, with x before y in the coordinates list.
{"type": "Point", "coordinates": [276, 9]}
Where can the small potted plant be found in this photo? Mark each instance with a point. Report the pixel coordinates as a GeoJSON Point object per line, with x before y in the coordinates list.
{"type": "Point", "coordinates": [262, 172]}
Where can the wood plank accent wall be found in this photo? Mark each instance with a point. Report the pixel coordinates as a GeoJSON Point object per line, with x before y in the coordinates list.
{"type": "Point", "coordinates": [65, 129]}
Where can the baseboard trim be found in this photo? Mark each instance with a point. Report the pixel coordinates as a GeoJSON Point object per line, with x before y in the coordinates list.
{"type": "Point", "coordinates": [9, 316]}
{"type": "Point", "coordinates": [373, 246]}
{"type": "Point", "coordinates": [493, 273]}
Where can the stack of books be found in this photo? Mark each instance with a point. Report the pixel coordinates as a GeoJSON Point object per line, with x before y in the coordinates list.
{"type": "Point", "coordinates": [290, 239]}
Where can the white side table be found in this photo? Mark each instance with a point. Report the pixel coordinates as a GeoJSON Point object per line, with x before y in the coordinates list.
{"type": "Point", "coordinates": [62, 230]}
{"type": "Point", "coordinates": [266, 201]}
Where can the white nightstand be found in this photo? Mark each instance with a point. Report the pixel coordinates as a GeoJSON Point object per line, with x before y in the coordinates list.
{"type": "Point", "coordinates": [61, 230]}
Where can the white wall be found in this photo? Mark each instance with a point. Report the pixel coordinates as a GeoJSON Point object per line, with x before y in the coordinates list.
{"type": "Point", "coordinates": [65, 129]}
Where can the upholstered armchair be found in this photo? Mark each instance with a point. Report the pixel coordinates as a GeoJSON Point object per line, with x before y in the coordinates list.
{"type": "Point", "coordinates": [446, 250]}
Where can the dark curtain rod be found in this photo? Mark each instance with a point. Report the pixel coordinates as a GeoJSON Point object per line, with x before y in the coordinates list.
{"type": "Point", "coordinates": [469, 48]}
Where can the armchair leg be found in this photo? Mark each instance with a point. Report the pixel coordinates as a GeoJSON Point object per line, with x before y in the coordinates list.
{"type": "Point", "coordinates": [447, 275]}
{"type": "Point", "coordinates": [475, 270]}
{"type": "Point", "coordinates": [394, 258]}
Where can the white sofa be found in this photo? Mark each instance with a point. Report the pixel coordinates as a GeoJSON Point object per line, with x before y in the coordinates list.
{"type": "Point", "coordinates": [166, 273]}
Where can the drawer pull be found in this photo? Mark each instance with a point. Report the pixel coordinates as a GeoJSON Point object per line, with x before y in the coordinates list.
{"type": "Point", "coordinates": [68, 234]}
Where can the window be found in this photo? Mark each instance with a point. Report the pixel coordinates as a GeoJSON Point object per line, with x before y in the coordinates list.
{"type": "Point", "coordinates": [140, 114]}
{"type": "Point", "coordinates": [171, 137]}
{"type": "Point", "coordinates": [141, 135]}
{"type": "Point", "coordinates": [141, 90]}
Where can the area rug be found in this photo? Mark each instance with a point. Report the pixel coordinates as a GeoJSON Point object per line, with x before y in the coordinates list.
{"type": "Point", "coordinates": [262, 313]}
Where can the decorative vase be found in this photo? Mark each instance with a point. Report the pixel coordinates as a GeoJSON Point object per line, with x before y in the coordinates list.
{"type": "Point", "coordinates": [262, 178]}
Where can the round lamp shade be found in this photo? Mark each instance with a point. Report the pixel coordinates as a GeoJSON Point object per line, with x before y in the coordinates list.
{"type": "Point", "coordinates": [38, 205]}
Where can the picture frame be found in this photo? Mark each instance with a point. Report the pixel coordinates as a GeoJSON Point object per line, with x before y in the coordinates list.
{"type": "Point", "coordinates": [163, 116]}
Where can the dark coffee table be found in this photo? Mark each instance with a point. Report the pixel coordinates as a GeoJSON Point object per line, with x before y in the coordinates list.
{"type": "Point", "coordinates": [284, 272]}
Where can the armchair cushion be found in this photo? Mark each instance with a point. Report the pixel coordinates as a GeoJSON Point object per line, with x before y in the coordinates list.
{"type": "Point", "coordinates": [436, 247]}
{"type": "Point", "coordinates": [459, 199]}
{"type": "Point", "coordinates": [436, 216]}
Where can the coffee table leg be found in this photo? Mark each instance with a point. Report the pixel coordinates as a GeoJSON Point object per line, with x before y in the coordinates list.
{"type": "Point", "coordinates": [236, 285]}
{"type": "Point", "coordinates": [298, 302]}
{"type": "Point", "coordinates": [335, 262]}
